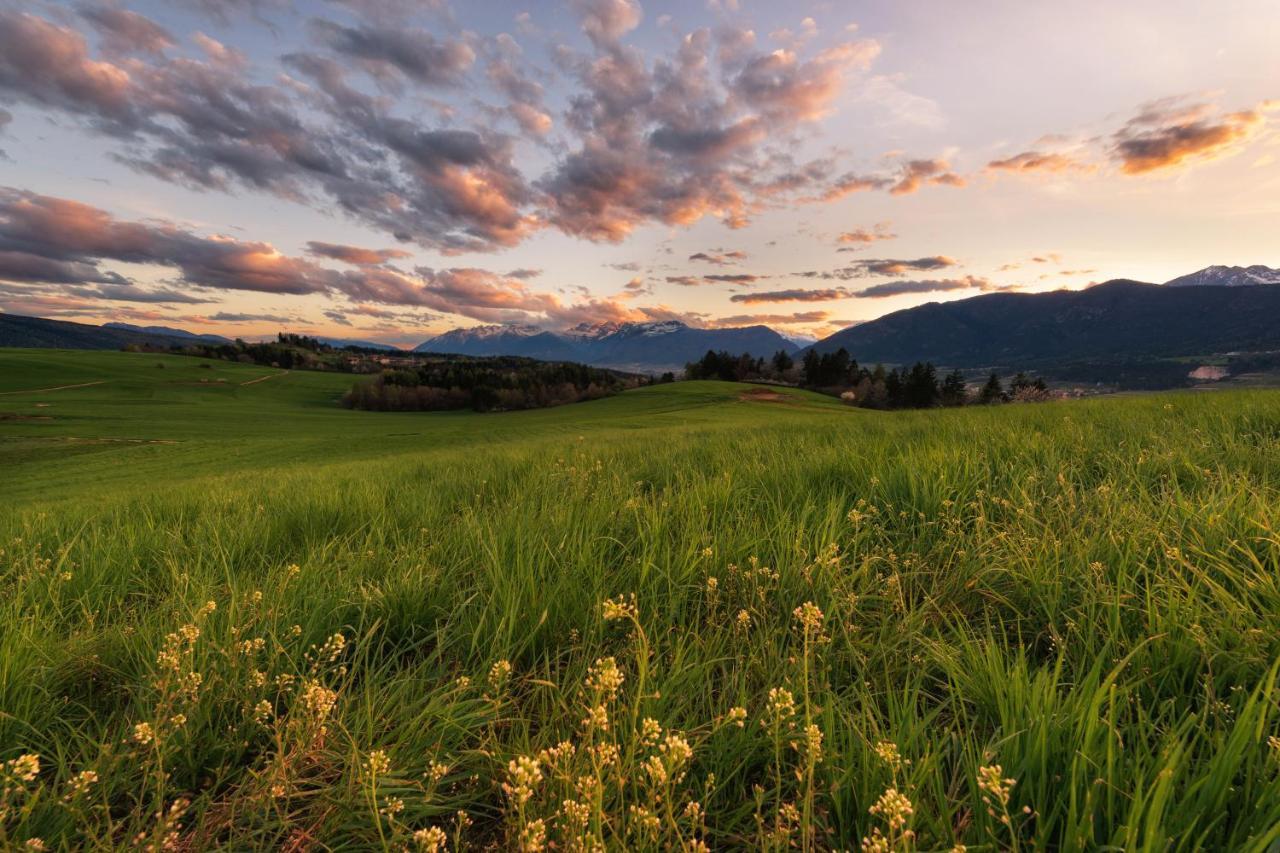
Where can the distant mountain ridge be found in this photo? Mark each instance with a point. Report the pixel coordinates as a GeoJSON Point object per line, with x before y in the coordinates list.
{"type": "Point", "coordinates": [169, 332]}
{"type": "Point", "coordinates": [664, 344]}
{"type": "Point", "coordinates": [1118, 318]}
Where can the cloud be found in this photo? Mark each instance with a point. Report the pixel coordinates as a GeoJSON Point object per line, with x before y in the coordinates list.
{"type": "Point", "coordinates": [714, 278]}
{"type": "Point", "coordinates": [1036, 161]}
{"type": "Point", "coordinates": [390, 54]}
{"type": "Point", "coordinates": [916, 173]}
{"type": "Point", "coordinates": [229, 317]}
{"type": "Point", "coordinates": [851, 183]}
{"type": "Point", "coordinates": [124, 32]}
{"type": "Point", "coordinates": [606, 21]}
{"type": "Point", "coordinates": [719, 257]}
{"type": "Point", "coordinates": [1167, 134]}
{"type": "Point", "coordinates": [524, 94]}
{"type": "Point", "coordinates": [784, 88]}
{"type": "Point", "coordinates": [800, 317]}
{"type": "Point", "coordinates": [354, 254]}
{"type": "Point", "coordinates": [524, 273]}
{"type": "Point", "coordinates": [906, 178]}
{"type": "Point", "coordinates": [209, 125]}
{"type": "Point", "coordinates": [709, 128]}
{"type": "Point", "coordinates": [792, 295]}
{"type": "Point", "coordinates": [884, 266]}
{"type": "Point", "coordinates": [684, 137]}
{"type": "Point", "coordinates": [900, 288]}
{"type": "Point", "coordinates": [862, 236]}
{"type": "Point", "coordinates": [58, 241]}
{"type": "Point", "coordinates": [49, 66]}
{"type": "Point", "coordinates": [1164, 135]}
{"type": "Point", "coordinates": [902, 107]}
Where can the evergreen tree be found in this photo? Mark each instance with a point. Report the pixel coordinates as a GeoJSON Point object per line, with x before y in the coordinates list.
{"type": "Point", "coordinates": [992, 392]}
{"type": "Point", "coordinates": [954, 391]}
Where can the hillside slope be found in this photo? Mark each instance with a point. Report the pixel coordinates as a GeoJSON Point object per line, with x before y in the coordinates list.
{"type": "Point", "coordinates": [20, 331]}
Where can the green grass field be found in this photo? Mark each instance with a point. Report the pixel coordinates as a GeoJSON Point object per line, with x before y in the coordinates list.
{"type": "Point", "coordinates": [236, 615]}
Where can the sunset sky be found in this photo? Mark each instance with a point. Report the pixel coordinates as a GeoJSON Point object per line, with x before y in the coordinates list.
{"type": "Point", "coordinates": [390, 169]}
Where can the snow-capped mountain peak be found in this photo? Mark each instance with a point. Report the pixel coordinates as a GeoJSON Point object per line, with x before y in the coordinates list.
{"type": "Point", "coordinates": [592, 331]}
{"type": "Point", "coordinates": [1225, 276]}
{"type": "Point", "coordinates": [480, 333]}
{"type": "Point", "coordinates": [651, 329]}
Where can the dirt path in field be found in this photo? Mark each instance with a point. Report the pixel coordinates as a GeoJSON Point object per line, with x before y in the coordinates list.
{"type": "Point", "coordinates": [57, 388]}
{"type": "Point", "coordinates": [264, 378]}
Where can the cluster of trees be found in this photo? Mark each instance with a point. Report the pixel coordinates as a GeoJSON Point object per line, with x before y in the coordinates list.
{"type": "Point", "coordinates": [916, 387]}
{"type": "Point", "coordinates": [498, 383]}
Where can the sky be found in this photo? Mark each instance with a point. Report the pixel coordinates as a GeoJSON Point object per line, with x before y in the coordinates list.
{"type": "Point", "coordinates": [388, 170]}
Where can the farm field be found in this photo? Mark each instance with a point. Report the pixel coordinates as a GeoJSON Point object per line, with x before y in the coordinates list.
{"type": "Point", "coordinates": [692, 615]}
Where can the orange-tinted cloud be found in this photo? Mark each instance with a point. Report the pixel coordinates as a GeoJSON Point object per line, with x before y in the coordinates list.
{"type": "Point", "coordinates": [1035, 161]}
{"type": "Point", "coordinates": [1168, 135]}
{"type": "Point", "coordinates": [864, 236]}
{"type": "Point", "coordinates": [916, 173]}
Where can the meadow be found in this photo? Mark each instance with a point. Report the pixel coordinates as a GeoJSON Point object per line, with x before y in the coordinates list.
{"type": "Point", "coordinates": [691, 616]}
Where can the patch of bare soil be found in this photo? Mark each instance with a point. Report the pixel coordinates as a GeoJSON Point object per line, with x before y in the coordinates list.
{"type": "Point", "coordinates": [764, 395]}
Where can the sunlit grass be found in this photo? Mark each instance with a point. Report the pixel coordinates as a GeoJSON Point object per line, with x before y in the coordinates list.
{"type": "Point", "coordinates": [748, 625]}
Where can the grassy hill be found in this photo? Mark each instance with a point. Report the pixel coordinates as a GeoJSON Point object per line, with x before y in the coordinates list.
{"type": "Point", "coordinates": [1044, 626]}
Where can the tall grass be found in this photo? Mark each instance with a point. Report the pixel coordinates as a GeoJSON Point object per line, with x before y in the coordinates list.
{"type": "Point", "coordinates": [1033, 627]}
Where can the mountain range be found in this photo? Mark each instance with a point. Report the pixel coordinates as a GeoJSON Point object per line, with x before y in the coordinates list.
{"type": "Point", "coordinates": [661, 345]}
{"type": "Point", "coordinates": [1219, 309]}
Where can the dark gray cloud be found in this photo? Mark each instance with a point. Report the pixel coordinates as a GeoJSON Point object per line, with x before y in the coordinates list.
{"type": "Point", "coordinates": [354, 254]}
{"type": "Point", "coordinates": [229, 317]}
{"type": "Point", "coordinates": [124, 32]}
{"type": "Point", "coordinates": [719, 257]}
{"type": "Point", "coordinates": [797, 294]}
{"type": "Point", "coordinates": [391, 54]}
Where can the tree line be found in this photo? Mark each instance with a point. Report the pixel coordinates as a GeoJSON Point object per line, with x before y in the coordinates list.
{"type": "Point", "coordinates": [496, 383]}
{"type": "Point", "coordinates": [916, 387]}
